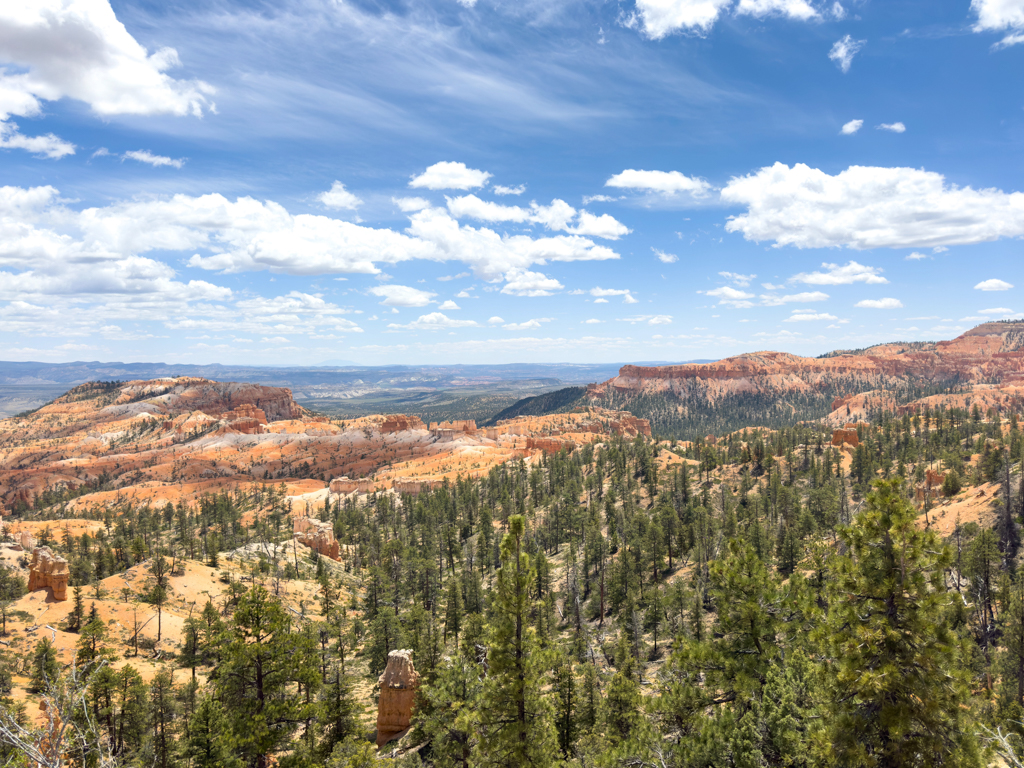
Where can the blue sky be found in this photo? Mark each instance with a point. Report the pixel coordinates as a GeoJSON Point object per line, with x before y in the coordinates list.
{"type": "Point", "coordinates": [460, 182]}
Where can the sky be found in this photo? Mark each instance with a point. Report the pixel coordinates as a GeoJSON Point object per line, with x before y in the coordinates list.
{"type": "Point", "coordinates": [482, 181]}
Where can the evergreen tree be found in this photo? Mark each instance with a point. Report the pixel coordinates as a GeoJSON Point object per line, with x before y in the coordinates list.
{"type": "Point", "coordinates": [263, 661]}
{"type": "Point", "coordinates": [516, 725]}
{"type": "Point", "coordinates": [206, 745]}
{"type": "Point", "coordinates": [44, 665]}
{"type": "Point", "coordinates": [898, 680]}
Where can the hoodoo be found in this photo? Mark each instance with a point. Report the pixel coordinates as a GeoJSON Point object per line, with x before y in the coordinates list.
{"type": "Point", "coordinates": [49, 570]}
{"type": "Point", "coordinates": [398, 687]}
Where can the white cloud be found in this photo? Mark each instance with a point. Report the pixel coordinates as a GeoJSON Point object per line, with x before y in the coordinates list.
{"type": "Point", "coordinates": [794, 9]}
{"type": "Point", "coordinates": [495, 320]}
{"type": "Point", "coordinates": [802, 315]}
{"type": "Point", "coordinates": [661, 182]}
{"type": "Point", "coordinates": [648, 319]}
{"type": "Point", "coordinates": [145, 156]}
{"type": "Point", "coordinates": [402, 296]}
{"type": "Point", "coordinates": [410, 204]}
{"type": "Point", "coordinates": [446, 278]}
{"type": "Point", "coordinates": [80, 50]}
{"type": "Point", "coordinates": [771, 300]}
{"type": "Point", "coordinates": [892, 127]}
{"type": "Point", "coordinates": [603, 293]}
{"type": "Point", "coordinates": [879, 304]}
{"type": "Point", "coordinates": [472, 207]}
{"type": "Point", "coordinates": [1001, 311]}
{"type": "Point", "coordinates": [339, 197]}
{"type": "Point", "coordinates": [915, 256]}
{"type": "Point", "coordinates": [464, 295]}
{"type": "Point", "coordinates": [525, 283]}
{"type": "Point", "coordinates": [993, 285]}
{"type": "Point", "coordinates": [498, 189]}
{"type": "Point", "coordinates": [49, 146]}
{"type": "Point", "coordinates": [603, 226]}
{"type": "Point", "coordinates": [734, 277]}
{"type": "Point", "coordinates": [435, 321]}
{"type": "Point", "coordinates": [868, 207]}
{"type": "Point", "coordinates": [844, 50]}
{"type": "Point", "coordinates": [592, 321]}
{"type": "Point", "coordinates": [588, 199]}
{"type": "Point", "coordinates": [998, 16]}
{"type": "Point", "coordinates": [852, 127]}
{"type": "Point", "coordinates": [847, 274]}
{"type": "Point", "coordinates": [665, 258]}
{"type": "Point", "coordinates": [449, 304]}
{"type": "Point", "coordinates": [729, 296]}
{"type": "Point", "coordinates": [664, 17]}
{"type": "Point", "coordinates": [449, 175]}
{"type": "Point", "coordinates": [528, 325]}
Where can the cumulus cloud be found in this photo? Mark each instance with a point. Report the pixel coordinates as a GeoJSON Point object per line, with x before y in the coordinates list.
{"type": "Point", "coordinates": [402, 296]}
{"type": "Point", "coordinates": [892, 127]}
{"type": "Point", "coordinates": [659, 182]}
{"type": "Point", "coordinates": [852, 127]}
{"type": "Point", "coordinates": [868, 207]}
{"type": "Point", "coordinates": [410, 204]}
{"type": "Point", "coordinates": [774, 300]}
{"type": "Point", "coordinates": [434, 321]}
{"type": "Point", "coordinates": [524, 283]}
{"type": "Point", "coordinates": [498, 189]}
{"type": "Point", "coordinates": [1000, 311]}
{"type": "Point", "coordinates": [147, 157]}
{"type": "Point", "coordinates": [449, 304]}
{"type": "Point", "coordinates": [806, 315]}
{"type": "Point", "coordinates": [528, 325]}
{"type": "Point", "coordinates": [659, 18]}
{"type": "Point", "coordinates": [604, 293]}
{"type": "Point", "coordinates": [592, 321]}
{"type": "Point", "coordinates": [450, 175]}
{"type": "Point", "coordinates": [732, 297]}
{"type": "Point", "coordinates": [794, 9]}
{"type": "Point", "coordinates": [915, 256]}
{"type": "Point", "coordinates": [603, 226]}
{"type": "Point", "coordinates": [81, 51]}
{"type": "Point", "coordinates": [847, 274]}
{"type": "Point", "coordinates": [844, 50]}
{"type": "Point", "coordinates": [339, 197]}
{"type": "Point", "coordinates": [1000, 16]}
{"type": "Point", "coordinates": [49, 146]}
{"type": "Point", "coordinates": [495, 320]}
{"type": "Point", "coordinates": [993, 284]}
{"type": "Point", "coordinates": [588, 199]}
{"type": "Point", "coordinates": [665, 258]}
{"type": "Point", "coordinates": [879, 304]}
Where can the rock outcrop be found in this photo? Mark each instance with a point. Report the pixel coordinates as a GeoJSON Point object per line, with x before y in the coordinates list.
{"type": "Point", "coordinates": [246, 418]}
{"type": "Point", "coordinates": [318, 536]}
{"type": "Point", "coordinates": [398, 687]}
{"type": "Point", "coordinates": [846, 435]}
{"type": "Point", "coordinates": [48, 571]}
{"type": "Point", "coordinates": [398, 422]}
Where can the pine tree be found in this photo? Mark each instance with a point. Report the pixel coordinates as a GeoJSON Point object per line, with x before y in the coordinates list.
{"type": "Point", "coordinates": [207, 745]}
{"type": "Point", "coordinates": [338, 717]}
{"type": "Point", "coordinates": [162, 712]}
{"type": "Point", "coordinates": [516, 726]}
{"type": "Point", "coordinates": [449, 709]}
{"type": "Point", "coordinates": [898, 683]}
{"type": "Point", "coordinates": [44, 665]}
{"type": "Point", "coordinates": [263, 659]}
{"type": "Point", "coordinates": [453, 610]}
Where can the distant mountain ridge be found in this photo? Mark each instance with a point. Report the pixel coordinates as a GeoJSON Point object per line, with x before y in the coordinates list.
{"type": "Point", "coordinates": [778, 388]}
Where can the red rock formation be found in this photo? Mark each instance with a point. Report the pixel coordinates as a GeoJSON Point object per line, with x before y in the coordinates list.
{"type": "Point", "coordinates": [246, 418]}
{"type": "Point", "coordinates": [468, 427]}
{"type": "Point", "coordinates": [49, 571]}
{"type": "Point", "coordinates": [934, 479]}
{"type": "Point", "coordinates": [317, 535]}
{"type": "Point", "coordinates": [848, 436]}
{"type": "Point", "coordinates": [548, 444]}
{"type": "Point", "coordinates": [398, 422]}
{"type": "Point", "coordinates": [398, 687]}
{"type": "Point", "coordinates": [839, 402]}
